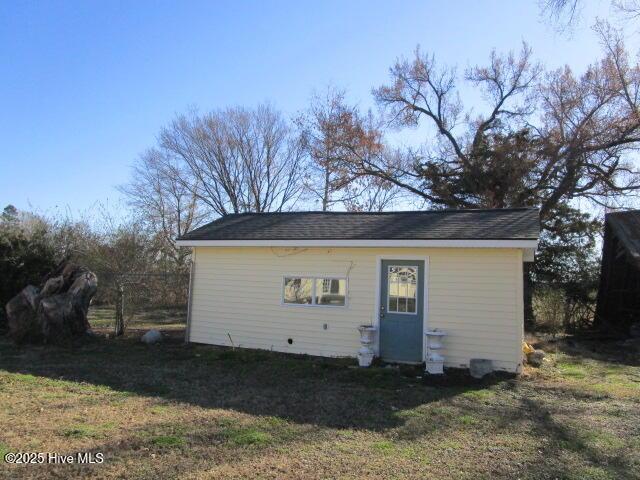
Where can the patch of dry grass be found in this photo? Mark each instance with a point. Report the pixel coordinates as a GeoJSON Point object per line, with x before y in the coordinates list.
{"type": "Point", "coordinates": [103, 318]}
{"type": "Point", "coordinates": [198, 412]}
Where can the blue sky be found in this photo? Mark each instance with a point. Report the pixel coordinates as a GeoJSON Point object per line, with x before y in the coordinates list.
{"type": "Point", "coordinates": [85, 86]}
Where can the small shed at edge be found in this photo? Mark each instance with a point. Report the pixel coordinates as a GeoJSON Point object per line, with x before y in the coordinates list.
{"type": "Point", "coordinates": [619, 293]}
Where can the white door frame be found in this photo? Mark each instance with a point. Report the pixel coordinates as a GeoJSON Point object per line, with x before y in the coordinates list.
{"type": "Point", "coordinates": [425, 307]}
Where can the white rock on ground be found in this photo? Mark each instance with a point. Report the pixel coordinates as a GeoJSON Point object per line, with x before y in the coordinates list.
{"type": "Point", "coordinates": [152, 336]}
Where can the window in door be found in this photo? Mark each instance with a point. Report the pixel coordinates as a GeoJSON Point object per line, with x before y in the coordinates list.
{"type": "Point", "coordinates": [402, 289]}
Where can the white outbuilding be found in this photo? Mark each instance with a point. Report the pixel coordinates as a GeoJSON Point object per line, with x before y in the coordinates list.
{"type": "Point", "coordinates": [303, 282]}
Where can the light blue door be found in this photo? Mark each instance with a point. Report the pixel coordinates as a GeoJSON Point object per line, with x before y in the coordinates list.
{"type": "Point", "coordinates": [401, 310]}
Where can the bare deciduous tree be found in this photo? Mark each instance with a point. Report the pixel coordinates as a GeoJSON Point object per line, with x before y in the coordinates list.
{"type": "Point", "coordinates": [330, 130]}
{"type": "Point", "coordinates": [630, 9]}
{"type": "Point", "coordinates": [545, 138]}
{"type": "Point", "coordinates": [327, 179]}
{"type": "Point", "coordinates": [237, 160]}
{"type": "Point", "coordinates": [565, 14]}
{"type": "Point", "coordinates": [371, 194]}
{"type": "Point", "coordinates": [562, 13]}
{"type": "Point", "coordinates": [160, 195]}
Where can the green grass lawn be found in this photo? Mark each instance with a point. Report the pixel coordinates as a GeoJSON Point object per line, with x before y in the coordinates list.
{"type": "Point", "coordinates": [193, 411]}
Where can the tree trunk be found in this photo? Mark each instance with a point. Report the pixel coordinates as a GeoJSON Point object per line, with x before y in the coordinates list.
{"type": "Point", "coordinates": [119, 327]}
{"type": "Point", "coordinates": [325, 193]}
{"type": "Point", "coordinates": [56, 312]}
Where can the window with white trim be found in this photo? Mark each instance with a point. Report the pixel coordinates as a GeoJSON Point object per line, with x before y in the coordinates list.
{"type": "Point", "coordinates": [315, 291]}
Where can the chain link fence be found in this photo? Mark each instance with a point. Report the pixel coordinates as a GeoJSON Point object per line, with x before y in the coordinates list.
{"type": "Point", "coordinates": [141, 301]}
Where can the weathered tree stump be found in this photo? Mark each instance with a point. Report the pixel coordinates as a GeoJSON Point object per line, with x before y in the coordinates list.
{"type": "Point", "coordinates": [56, 312]}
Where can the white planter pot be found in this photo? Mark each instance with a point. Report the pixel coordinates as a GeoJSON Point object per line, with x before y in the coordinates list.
{"type": "Point", "coordinates": [434, 363]}
{"type": "Point", "coordinates": [434, 367]}
{"type": "Point", "coordinates": [365, 353]}
{"type": "Point", "coordinates": [365, 358]}
{"type": "Point", "coordinates": [366, 334]}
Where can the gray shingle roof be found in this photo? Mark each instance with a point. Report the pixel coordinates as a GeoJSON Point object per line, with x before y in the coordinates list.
{"type": "Point", "coordinates": [499, 224]}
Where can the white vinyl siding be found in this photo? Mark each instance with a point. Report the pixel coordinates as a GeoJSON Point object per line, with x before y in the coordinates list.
{"type": "Point", "coordinates": [475, 295]}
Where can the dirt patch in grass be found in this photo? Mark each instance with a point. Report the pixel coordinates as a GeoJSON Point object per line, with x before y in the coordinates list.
{"type": "Point", "coordinates": [194, 411]}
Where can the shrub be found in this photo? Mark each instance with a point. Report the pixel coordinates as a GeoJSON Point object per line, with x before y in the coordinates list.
{"type": "Point", "coordinates": [557, 311]}
{"type": "Point", "coordinates": [548, 307]}
{"type": "Point", "coordinates": [26, 256]}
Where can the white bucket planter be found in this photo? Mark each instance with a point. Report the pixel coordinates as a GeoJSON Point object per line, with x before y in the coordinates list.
{"type": "Point", "coordinates": [365, 354]}
{"type": "Point", "coordinates": [434, 362]}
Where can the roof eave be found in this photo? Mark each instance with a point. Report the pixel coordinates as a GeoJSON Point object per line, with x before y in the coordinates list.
{"type": "Point", "coordinates": [527, 243]}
